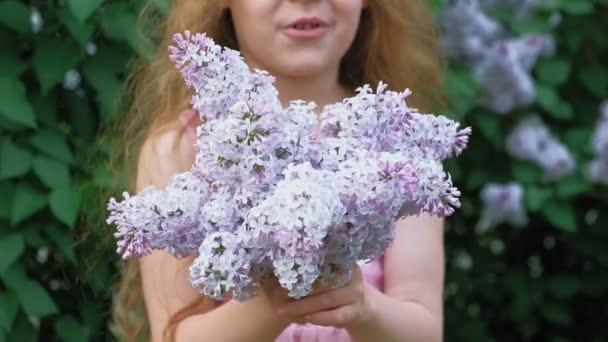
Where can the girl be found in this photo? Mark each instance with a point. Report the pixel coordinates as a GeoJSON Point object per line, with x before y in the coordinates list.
{"type": "Point", "coordinates": [321, 51]}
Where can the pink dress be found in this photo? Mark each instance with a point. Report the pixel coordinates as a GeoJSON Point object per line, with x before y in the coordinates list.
{"type": "Point", "coordinates": [373, 273]}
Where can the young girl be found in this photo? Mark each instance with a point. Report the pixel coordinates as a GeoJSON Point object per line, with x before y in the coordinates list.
{"type": "Point", "coordinates": [321, 51]}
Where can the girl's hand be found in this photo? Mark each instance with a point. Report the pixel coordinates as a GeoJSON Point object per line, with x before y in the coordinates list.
{"type": "Point", "coordinates": [341, 307]}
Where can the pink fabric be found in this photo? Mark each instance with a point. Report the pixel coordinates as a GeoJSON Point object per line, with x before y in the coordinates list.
{"type": "Point", "coordinates": [373, 273]}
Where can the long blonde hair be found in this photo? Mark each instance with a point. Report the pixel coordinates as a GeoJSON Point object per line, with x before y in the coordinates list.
{"type": "Point", "coordinates": [396, 43]}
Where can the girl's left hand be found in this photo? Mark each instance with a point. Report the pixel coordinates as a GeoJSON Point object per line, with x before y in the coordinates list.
{"type": "Point", "coordinates": [341, 307]}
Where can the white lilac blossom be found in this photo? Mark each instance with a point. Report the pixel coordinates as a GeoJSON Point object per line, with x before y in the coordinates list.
{"type": "Point", "coordinates": [597, 169]}
{"type": "Point", "coordinates": [505, 71]}
{"type": "Point", "coordinates": [91, 49]}
{"type": "Point", "coordinates": [502, 203]}
{"type": "Point", "coordinates": [36, 20]}
{"type": "Point", "coordinates": [71, 80]}
{"type": "Point", "coordinates": [531, 140]}
{"type": "Point", "coordinates": [281, 192]}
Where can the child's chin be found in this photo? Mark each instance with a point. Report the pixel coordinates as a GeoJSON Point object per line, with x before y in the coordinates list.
{"type": "Point", "coordinates": [305, 69]}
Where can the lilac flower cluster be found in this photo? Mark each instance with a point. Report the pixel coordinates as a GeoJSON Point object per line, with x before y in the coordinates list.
{"type": "Point", "coordinates": [597, 169]}
{"type": "Point", "coordinates": [285, 192]}
{"type": "Point", "coordinates": [531, 140]}
{"type": "Point", "coordinates": [501, 63]}
{"type": "Point", "coordinates": [502, 203]}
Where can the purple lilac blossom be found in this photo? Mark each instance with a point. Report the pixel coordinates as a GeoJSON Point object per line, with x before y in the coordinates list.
{"type": "Point", "coordinates": [281, 191]}
{"type": "Point", "coordinates": [468, 31]}
{"type": "Point", "coordinates": [505, 71]}
{"type": "Point", "coordinates": [502, 203]}
{"type": "Point", "coordinates": [501, 63]}
{"type": "Point", "coordinates": [531, 140]}
{"type": "Point", "coordinates": [597, 169]}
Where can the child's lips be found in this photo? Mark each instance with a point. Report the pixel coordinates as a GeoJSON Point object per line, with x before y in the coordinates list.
{"type": "Point", "coordinates": [306, 28]}
{"type": "Point", "coordinates": [307, 33]}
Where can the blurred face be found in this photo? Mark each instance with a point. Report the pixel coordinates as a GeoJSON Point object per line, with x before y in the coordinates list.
{"type": "Point", "coordinates": [295, 38]}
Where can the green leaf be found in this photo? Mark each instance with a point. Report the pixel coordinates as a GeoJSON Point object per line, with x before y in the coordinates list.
{"type": "Point", "coordinates": [549, 100]}
{"type": "Point", "coordinates": [528, 25]}
{"type": "Point", "coordinates": [68, 329]}
{"type": "Point", "coordinates": [578, 138]}
{"type": "Point", "coordinates": [35, 299]}
{"type": "Point", "coordinates": [595, 79]}
{"type": "Point", "coordinates": [82, 9]}
{"type": "Point", "coordinates": [15, 15]}
{"type": "Point", "coordinates": [526, 172]}
{"type": "Point", "coordinates": [107, 85]}
{"type": "Point", "coordinates": [82, 115]}
{"type": "Point", "coordinates": [489, 126]}
{"type": "Point", "coordinates": [63, 241]}
{"type": "Point", "coordinates": [14, 105]}
{"type": "Point", "coordinates": [53, 144]}
{"type": "Point", "coordinates": [462, 91]}
{"type": "Point", "coordinates": [14, 160]}
{"type": "Point", "coordinates": [33, 235]}
{"type": "Point", "coordinates": [12, 65]}
{"type": "Point", "coordinates": [563, 286]}
{"type": "Point", "coordinates": [15, 275]}
{"type": "Point", "coordinates": [7, 189]}
{"type": "Point", "coordinates": [54, 174]}
{"type": "Point", "coordinates": [26, 201]}
{"type": "Point", "coordinates": [556, 313]}
{"type": "Point", "coordinates": [535, 197]}
{"type": "Point", "coordinates": [572, 186]}
{"type": "Point", "coordinates": [553, 71]}
{"type": "Point", "coordinates": [64, 53]}
{"type": "Point", "coordinates": [11, 247]}
{"type": "Point", "coordinates": [576, 7]}
{"type": "Point", "coordinates": [120, 24]}
{"type": "Point", "coordinates": [560, 214]}
{"type": "Point", "coordinates": [45, 108]}
{"type": "Point", "coordinates": [81, 31]}
{"type": "Point", "coordinates": [8, 310]}
{"type": "Point", "coordinates": [65, 205]}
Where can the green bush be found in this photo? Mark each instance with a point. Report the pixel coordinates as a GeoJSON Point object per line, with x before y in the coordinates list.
{"type": "Point", "coordinates": [63, 66]}
{"type": "Point", "coordinates": [60, 83]}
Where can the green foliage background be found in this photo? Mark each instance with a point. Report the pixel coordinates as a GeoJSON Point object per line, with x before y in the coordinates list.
{"type": "Point", "coordinates": [51, 172]}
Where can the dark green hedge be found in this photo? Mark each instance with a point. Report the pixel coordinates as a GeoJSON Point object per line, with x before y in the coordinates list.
{"type": "Point", "coordinates": [63, 66]}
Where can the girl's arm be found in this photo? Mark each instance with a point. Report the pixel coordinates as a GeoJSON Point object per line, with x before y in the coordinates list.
{"type": "Point", "coordinates": [411, 307]}
{"type": "Point", "coordinates": [165, 278]}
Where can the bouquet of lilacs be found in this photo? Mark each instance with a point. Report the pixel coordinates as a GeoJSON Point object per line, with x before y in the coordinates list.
{"type": "Point", "coordinates": [285, 192]}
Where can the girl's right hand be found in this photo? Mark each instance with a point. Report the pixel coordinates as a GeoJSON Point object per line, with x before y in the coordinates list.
{"type": "Point", "coordinates": [278, 296]}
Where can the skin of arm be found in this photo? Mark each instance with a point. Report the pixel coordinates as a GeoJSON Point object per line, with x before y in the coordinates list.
{"type": "Point", "coordinates": [165, 278]}
{"type": "Point", "coordinates": [411, 307]}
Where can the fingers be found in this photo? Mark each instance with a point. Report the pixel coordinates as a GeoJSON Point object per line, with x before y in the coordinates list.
{"type": "Point", "coordinates": [338, 317]}
{"type": "Point", "coordinates": [278, 296]}
{"type": "Point", "coordinates": [319, 302]}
